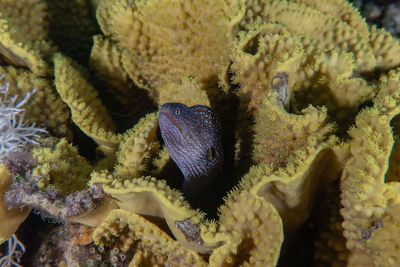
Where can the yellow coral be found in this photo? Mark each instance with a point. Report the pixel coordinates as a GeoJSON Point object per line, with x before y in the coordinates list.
{"type": "Point", "coordinates": [148, 196]}
{"type": "Point", "coordinates": [9, 219]}
{"type": "Point", "coordinates": [163, 42]}
{"type": "Point", "coordinates": [106, 61]}
{"type": "Point", "coordinates": [342, 10]}
{"type": "Point", "coordinates": [44, 108]}
{"type": "Point", "coordinates": [320, 49]}
{"type": "Point", "coordinates": [242, 237]}
{"type": "Point", "coordinates": [24, 35]}
{"type": "Point", "coordinates": [61, 167]}
{"type": "Point", "coordinates": [138, 147]}
{"type": "Point", "coordinates": [251, 225]}
{"type": "Point", "coordinates": [187, 91]}
{"type": "Point", "coordinates": [26, 17]}
{"type": "Point", "coordinates": [260, 55]}
{"type": "Point", "coordinates": [267, 51]}
{"type": "Point", "coordinates": [330, 246]}
{"type": "Point", "coordinates": [370, 202]}
{"type": "Point", "coordinates": [385, 47]}
{"type": "Point", "coordinates": [291, 189]}
{"type": "Point", "coordinates": [145, 257]}
{"type": "Point", "coordinates": [87, 110]}
{"type": "Point", "coordinates": [328, 31]}
{"type": "Point", "coordinates": [230, 55]}
{"type": "Point", "coordinates": [95, 217]}
{"type": "Point", "coordinates": [279, 135]}
{"type": "Point", "coordinates": [330, 76]}
{"type": "Point", "coordinates": [127, 227]}
{"type": "Point", "coordinates": [294, 182]}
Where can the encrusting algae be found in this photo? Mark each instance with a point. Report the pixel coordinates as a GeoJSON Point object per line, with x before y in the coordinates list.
{"type": "Point", "coordinates": [308, 98]}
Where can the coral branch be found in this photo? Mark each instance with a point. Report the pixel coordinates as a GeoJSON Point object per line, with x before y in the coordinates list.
{"type": "Point", "coordinates": [14, 253]}
{"type": "Point", "coordinates": [14, 132]}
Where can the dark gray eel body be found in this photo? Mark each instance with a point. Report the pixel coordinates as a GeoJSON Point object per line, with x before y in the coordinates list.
{"type": "Point", "coordinates": [193, 140]}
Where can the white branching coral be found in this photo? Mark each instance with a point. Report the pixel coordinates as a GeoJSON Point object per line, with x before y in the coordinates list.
{"type": "Point", "coordinates": [14, 253]}
{"type": "Point", "coordinates": [14, 132]}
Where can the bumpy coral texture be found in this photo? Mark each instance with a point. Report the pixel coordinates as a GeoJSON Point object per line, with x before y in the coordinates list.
{"type": "Point", "coordinates": [83, 102]}
{"type": "Point", "coordinates": [24, 42]}
{"type": "Point", "coordinates": [152, 55]}
{"type": "Point", "coordinates": [130, 227]}
{"type": "Point", "coordinates": [370, 185]}
{"type": "Point", "coordinates": [307, 94]}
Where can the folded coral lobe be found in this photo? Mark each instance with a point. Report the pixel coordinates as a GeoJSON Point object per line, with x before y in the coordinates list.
{"type": "Point", "coordinates": [192, 138]}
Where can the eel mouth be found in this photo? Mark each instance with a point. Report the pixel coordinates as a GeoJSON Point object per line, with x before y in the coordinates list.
{"type": "Point", "coordinates": [173, 120]}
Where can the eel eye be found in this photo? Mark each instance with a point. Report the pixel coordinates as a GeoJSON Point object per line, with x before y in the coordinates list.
{"type": "Point", "coordinates": [177, 112]}
{"type": "Point", "coordinates": [211, 154]}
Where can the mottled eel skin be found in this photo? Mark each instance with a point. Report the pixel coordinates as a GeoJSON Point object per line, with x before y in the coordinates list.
{"type": "Point", "coordinates": [193, 140]}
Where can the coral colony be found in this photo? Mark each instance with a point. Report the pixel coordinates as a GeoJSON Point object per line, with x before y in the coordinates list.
{"type": "Point", "coordinates": [15, 134]}
{"type": "Point", "coordinates": [308, 98]}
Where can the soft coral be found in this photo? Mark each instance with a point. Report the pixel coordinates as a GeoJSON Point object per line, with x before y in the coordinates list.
{"type": "Point", "coordinates": [14, 132]}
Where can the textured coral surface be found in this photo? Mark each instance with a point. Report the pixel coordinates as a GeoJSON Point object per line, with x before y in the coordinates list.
{"type": "Point", "coordinates": [308, 98]}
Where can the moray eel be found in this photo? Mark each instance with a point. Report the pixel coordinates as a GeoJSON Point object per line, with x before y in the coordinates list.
{"type": "Point", "coordinates": [193, 140]}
